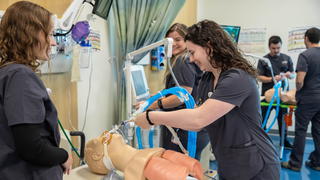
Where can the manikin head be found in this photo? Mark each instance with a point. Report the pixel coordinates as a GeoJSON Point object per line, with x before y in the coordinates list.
{"type": "Point", "coordinates": [94, 154]}
{"type": "Point", "coordinates": [110, 151]}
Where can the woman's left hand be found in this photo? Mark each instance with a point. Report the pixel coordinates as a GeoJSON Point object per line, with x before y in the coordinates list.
{"type": "Point", "coordinates": [141, 120]}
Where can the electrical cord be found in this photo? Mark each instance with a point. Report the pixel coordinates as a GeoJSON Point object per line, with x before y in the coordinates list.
{"type": "Point", "coordinates": [171, 72]}
{"type": "Point", "coordinates": [88, 96]}
{"type": "Point", "coordinates": [65, 134]}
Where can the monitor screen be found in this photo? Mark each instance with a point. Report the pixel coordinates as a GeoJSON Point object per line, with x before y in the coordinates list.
{"type": "Point", "coordinates": [102, 8]}
{"type": "Point", "coordinates": [139, 85]}
{"type": "Point", "coordinates": [233, 31]}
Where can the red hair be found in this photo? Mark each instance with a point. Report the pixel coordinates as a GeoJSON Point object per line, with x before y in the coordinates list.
{"type": "Point", "coordinates": [19, 33]}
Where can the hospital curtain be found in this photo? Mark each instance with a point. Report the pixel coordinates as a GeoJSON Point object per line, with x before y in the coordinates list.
{"type": "Point", "coordinates": [133, 24]}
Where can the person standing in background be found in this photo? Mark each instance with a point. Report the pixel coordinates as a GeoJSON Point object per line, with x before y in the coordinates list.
{"type": "Point", "coordinates": [308, 103]}
{"type": "Point", "coordinates": [282, 66]}
{"type": "Point", "coordinates": [29, 133]}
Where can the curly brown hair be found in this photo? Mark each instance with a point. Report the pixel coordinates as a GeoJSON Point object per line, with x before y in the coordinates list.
{"type": "Point", "coordinates": [223, 52]}
{"type": "Point", "coordinates": [19, 33]}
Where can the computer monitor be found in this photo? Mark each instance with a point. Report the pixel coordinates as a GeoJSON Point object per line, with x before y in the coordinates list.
{"type": "Point", "coordinates": [139, 83]}
{"type": "Point", "coordinates": [102, 8]}
{"type": "Point", "coordinates": [233, 31]}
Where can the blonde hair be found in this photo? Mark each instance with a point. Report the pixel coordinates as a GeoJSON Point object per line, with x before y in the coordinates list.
{"type": "Point", "coordinates": [19, 33]}
{"type": "Point", "coordinates": [182, 30]}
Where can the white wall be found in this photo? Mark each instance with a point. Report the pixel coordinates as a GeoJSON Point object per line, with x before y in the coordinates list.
{"type": "Point", "coordinates": [277, 16]}
{"type": "Point", "coordinates": [100, 108]}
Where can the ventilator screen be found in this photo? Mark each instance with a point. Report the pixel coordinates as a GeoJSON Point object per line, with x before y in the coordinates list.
{"type": "Point", "coordinates": [138, 82]}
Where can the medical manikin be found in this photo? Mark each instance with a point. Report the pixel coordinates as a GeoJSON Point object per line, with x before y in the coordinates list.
{"type": "Point", "coordinates": [110, 152]}
{"type": "Point", "coordinates": [286, 98]}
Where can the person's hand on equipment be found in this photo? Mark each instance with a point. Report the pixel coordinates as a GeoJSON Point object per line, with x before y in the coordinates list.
{"type": "Point", "coordinates": [141, 120]}
{"type": "Point", "coordinates": [287, 74]}
{"type": "Point", "coordinates": [67, 166]}
{"type": "Point", "coordinates": [137, 105]}
{"type": "Point", "coordinates": [278, 77]}
{"type": "Point", "coordinates": [152, 106]}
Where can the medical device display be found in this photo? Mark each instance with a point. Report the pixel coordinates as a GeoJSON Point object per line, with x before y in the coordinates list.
{"type": "Point", "coordinates": [139, 83]}
{"type": "Point", "coordinates": [233, 31]}
{"type": "Point", "coordinates": [102, 8]}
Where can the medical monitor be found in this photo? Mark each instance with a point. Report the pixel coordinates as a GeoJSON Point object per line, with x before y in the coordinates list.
{"type": "Point", "coordinates": [102, 8]}
{"type": "Point", "coordinates": [139, 83]}
{"type": "Point", "coordinates": [233, 31]}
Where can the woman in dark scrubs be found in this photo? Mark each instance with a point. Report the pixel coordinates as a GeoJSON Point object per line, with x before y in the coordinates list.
{"type": "Point", "coordinates": [29, 133]}
{"type": "Point", "coordinates": [188, 76]}
{"type": "Point", "coordinates": [230, 112]}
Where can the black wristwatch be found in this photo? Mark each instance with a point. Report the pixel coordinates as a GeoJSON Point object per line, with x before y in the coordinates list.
{"type": "Point", "coordinates": [148, 118]}
{"type": "Point", "coordinates": [160, 105]}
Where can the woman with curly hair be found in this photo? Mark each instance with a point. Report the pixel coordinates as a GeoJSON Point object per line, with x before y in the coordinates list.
{"type": "Point", "coordinates": [29, 133]}
{"type": "Point", "coordinates": [188, 75]}
{"type": "Point", "coordinates": [231, 108]}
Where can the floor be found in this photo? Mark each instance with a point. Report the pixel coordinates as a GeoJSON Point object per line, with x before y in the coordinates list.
{"type": "Point", "coordinates": [305, 174]}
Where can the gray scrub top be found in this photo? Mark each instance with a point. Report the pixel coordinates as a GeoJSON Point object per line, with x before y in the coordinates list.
{"type": "Point", "coordinates": [187, 74]}
{"type": "Point", "coordinates": [309, 62]}
{"type": "Point", "coordinates": [239, 143]}
{"type": "Point", "coordinates": [24, 100]}
{"type": "Point", "coordinates": [280, 64]}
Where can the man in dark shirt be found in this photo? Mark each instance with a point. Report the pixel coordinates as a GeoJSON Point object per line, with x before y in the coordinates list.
{"type": "Point", "coordinates": [282, 66]}
{"type": "Point", "coordinates": [308, 101]}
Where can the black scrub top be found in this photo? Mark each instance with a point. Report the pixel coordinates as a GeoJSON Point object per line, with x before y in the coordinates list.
{"type": "Point", "coordinates": [239, 143]}
{"type": "Point", "coordinates": [24, 100]}
{"type": "Point", "coordinates": [187, 74]}
{"type": "Point", "coordinates": [280, 64]}
{"type": "Point", "coordinates": [308, 62]}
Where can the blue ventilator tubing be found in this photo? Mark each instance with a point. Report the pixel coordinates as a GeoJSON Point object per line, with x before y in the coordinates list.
{"type": "Point", "coordinates": [151, 132]}
{"type": "Point", "coordinates": [190, 104]}
{"type": "Point", "coordinates": [286, 84]}
{"type": "Point", "coordinates": [276, 96]}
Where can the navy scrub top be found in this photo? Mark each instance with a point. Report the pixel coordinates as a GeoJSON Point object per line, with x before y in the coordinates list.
{"type": "Point", "coordinates": [24, 100]}
{"type": "Point", "coordinates": [187, 74]}
{"type": "Point", "coordinates": [280, 64]}
{"type": "Point", "coordinates": [239, 143]}
{"type": "Point", "coordinates": [308, 62]}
